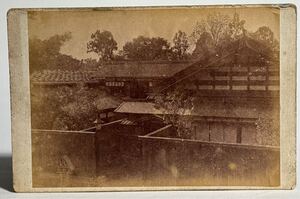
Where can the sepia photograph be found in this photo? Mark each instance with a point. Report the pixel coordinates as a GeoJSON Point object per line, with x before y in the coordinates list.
{"type": "Point", "coordinates": [155, 97]}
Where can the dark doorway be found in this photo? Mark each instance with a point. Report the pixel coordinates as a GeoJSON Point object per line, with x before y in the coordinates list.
{"type": "Point", "coordinates": [138, 89]}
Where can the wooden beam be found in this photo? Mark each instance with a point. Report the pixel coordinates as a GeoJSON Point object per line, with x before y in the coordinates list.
{"type": "Point", "coordinates": [222, 144]}
{"type": "Point", "coordinates": [158, 130]}
{"type": "Point", "coordinates": [238, 82]}
{"type": "Point", "coordinates": [245, 73]}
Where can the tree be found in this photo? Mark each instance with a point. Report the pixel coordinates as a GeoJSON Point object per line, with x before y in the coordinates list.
{"type": "Point", "coordinates": [45, 54]}
{"type": "Point", "coordinates": [217, 35]}
{"type": "Point", "coordinates": [268, 130]}
{"type": "Point", "coordinates": [205, 46]}
{"type": "Point", "coordinates": [268, 45]}
{"type": "Point", "coordinates": [236, 28]}
{"type": "Point", "coordinates": [67, 62]}
{"type": "Point", "coordinates": [102, 43]}
{"type": "Point", "coordinates": [119, 56]}
{"type": "Point", "coordinates": [234, 34]}
{"type": "Point", "coordinates": [216, 25]}
{"type": "Point", "coordinates": [181, 45]}
{"type": "Point", "coordinates": [89, 63]}
{"type": "Point", "coordinates": [144, 48]}
{"type": "Point", "coordinates": [209, 34]}
{"type": "Point", "coordinates": [265, 35]}
{"type": "Point", "coordinates": [177, 104]}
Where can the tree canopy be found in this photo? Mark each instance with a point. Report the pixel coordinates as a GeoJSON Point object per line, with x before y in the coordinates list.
{"type": "Point", "coordinates": [45, 54]}
{"type": "Point", "coordinates": [144, 48]}
{"type": "Point", "coordinates": [181, 45]}
{"type": "Point", "coordinates": [266, 36]}
{"type": "Point", "coordinates": [214, 34]}
{"type": "Point", "coordinates": [219, 35]}
{"type": "Point", "coordinates": [102, 43]}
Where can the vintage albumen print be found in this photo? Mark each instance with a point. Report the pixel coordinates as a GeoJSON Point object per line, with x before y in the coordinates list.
{"type": "Point", "coordinates": [181, 97]}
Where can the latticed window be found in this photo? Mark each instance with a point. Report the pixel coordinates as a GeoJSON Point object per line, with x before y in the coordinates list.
{"type": "Point", "coordinates": [114, 84]}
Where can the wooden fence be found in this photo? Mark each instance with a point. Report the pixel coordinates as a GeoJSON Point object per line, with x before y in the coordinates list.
{"type": "Point", "coordinates": [173, 161]}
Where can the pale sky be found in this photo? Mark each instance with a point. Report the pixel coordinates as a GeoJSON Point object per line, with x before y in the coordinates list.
{"type": "Point", "coordinates": [128, 24]}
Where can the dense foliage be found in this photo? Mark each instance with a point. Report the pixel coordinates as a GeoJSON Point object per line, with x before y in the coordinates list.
{"type": "Point", "coordinates": [68, 108]}
{"type": "Point", "coordinates": [45, 54]}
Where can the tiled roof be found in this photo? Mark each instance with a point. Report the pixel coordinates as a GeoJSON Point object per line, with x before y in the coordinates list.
{"type": "Point", "coordinates": [123, 69]}
{"type": "Point", "coordinates": [107, 102]}
{"type": "Point", "coordinates": [127, 122]}
{"type": "Point", "coordinates": [60, 76]}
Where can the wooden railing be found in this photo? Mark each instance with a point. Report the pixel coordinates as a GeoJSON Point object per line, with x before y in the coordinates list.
{"type": "Point", "coordinates": [249, 78]}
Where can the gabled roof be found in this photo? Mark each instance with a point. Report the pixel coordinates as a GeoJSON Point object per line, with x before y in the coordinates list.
{"type": "Point", "coordinates": [244, 52]}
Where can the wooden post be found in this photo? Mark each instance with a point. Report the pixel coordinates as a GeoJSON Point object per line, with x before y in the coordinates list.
{"type": "Point", "coordinates": [239, 134]}
{"type": "Point", "coordinates": [197, 84]}
{"type": "Point", "coordinates": [248, 77]}
{"type": "Point", "coordinates": [214, 81]}
{"type": "Point", "coordinates": [267, 78]}
{"type": "Point", "coordinates": [144, 159]}
{"type": "Point", "coordinates": [96, 151]}
{"type": "Point", "coordinates": [209, 130]}
{"type": "Point", "coordinates": [230, 77]}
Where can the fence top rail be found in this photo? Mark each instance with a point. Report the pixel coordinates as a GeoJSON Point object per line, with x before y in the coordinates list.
{"type": "Point", "coordinates": [225, 119]}
{"type": "Point", "coordinates": [60, 131]}
{"type": "Point", "coordinates": [158, 130]}
{"type": "Point", "coordinates": [89, 129]}
{"type": "Point", "coordinates": [237, 145]}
